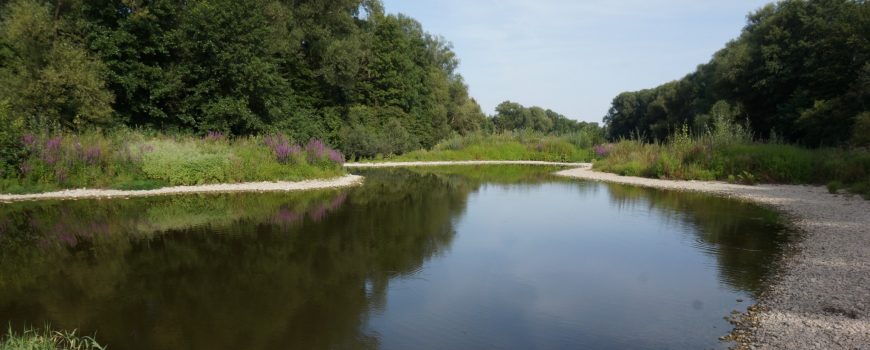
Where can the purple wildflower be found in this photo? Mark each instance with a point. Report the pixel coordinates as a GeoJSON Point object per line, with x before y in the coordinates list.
{"type": "Point", "coordinates": [93, 155]}
{"type": "Point", "coordinates": [336, 157]}
{"type": "Point", "coordinates": [28, 140]}
{"type": "Point", "coordinates": [282, 152]}
{"type": "Point", "coordinates": [51, 154]}
{"type": "Point", "coordinates": [316, 149]}
{"type": "Point", "coordinates": [602, 150]}
{"type": "Point", "coordinates": [274, 141]}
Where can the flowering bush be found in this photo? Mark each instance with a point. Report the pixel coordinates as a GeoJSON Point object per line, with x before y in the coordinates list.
{"type": "Point", "coordinates": [132, 160]}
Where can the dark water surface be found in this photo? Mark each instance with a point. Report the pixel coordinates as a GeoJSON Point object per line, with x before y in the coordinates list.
{"type": "Point", "coordinates": [496, 257]}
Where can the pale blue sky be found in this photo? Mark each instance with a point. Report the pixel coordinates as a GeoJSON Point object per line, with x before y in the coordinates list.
{"type": "Point", "coordinates": [574, 56]}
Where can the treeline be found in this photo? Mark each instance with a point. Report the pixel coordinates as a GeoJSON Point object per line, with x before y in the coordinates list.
{"type": "Point", "coordinates": [799, 72]}
{"type": "Point", "coordinates": [514, 116]}
{"type": "Point", "coordinates": [338, 70]}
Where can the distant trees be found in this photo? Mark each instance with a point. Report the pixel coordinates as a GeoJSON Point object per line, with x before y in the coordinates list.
{"type": "Point", "coordinates": [514, 116]}
{"type": "Point", "coordinates": [800, 69]}
{"type": "Point", "coordinates": [340, 70]}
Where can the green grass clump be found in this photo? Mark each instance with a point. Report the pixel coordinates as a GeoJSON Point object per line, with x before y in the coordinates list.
{"type": "Point", "coordinates": [511, 145]}
{"type": "Point", "coordinates": [47, 339]}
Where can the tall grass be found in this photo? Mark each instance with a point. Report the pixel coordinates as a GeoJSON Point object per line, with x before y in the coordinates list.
{"type": "Point", "coordinates": [511, 145]}
{"type": "Point", "coordinates": [727, 152]}
{"type": "Point", "coordinates": [135, 160]}
{"type": "Point", "coordinates": [47, 339]}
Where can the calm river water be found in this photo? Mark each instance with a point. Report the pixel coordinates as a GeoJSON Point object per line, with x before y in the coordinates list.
{"type": "Point", "coordinates": [495, 257]}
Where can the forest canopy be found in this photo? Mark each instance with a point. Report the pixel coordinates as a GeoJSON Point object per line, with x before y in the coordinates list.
{"type": "Point", "coordinates": [800, 71]}
{"type": "Point", "coordinates": [339, 70]}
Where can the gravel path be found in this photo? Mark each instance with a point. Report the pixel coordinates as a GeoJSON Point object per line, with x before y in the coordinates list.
{"type": "Point", "coordinates": [344, 181]}
{"type": "Point", "coordinates": [821, 299]}
{"type": "Point", "coordinates": [459, 162]}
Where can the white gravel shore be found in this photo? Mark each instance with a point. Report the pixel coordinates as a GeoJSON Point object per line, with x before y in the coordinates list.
{"type": "Point", "coordinates": [343, 181]}
{"type": "Point", "coordinates": [459, 162]}
{"type": "Point", "coordinates": [821, 299]}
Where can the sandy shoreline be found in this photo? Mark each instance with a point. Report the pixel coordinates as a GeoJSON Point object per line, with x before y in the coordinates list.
{"type": "Point", "coordinates": [821, 299]}
{"type": "Point", "coordinates": [343, 181]}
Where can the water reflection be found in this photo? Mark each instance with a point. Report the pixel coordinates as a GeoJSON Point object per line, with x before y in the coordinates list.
{"type": "Point", "coordinates": [411, 259]}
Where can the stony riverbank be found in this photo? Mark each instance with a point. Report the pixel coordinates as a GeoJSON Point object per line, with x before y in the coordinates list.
{"type": "Point", "coordinates": [343, 181]}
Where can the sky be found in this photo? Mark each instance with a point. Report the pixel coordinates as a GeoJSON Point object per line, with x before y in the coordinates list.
{"type": "Point", "coordinates": [574, 56]}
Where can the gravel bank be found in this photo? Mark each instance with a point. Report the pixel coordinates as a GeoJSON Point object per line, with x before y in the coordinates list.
{"type": "Point", "coordinates": [344, 181]}
{"type": "Point", "coordinates": [459, 162]}
{"type": "Point", "coordinates": [821, 300]}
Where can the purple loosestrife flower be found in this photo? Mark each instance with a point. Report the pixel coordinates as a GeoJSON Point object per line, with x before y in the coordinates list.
{"type": "Point", "coordinates": [92, 155]}
{"type": "Point", "coordinates": [275, 140]}
{"type": "Point", "coordinates": [316, 149]}
{"type": "Point", "coordinates": [282, 153]}
{"type": "Point", "coordinates": [51, 153]}
{"type": "Point", "coordinates": [28, 140]}
{"type": "Point", "coordinates": [602, 150]}
{"type": "Point", "coordinates": [336, 156]}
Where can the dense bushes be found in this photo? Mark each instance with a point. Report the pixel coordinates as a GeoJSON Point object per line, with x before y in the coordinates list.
{"type": "Point", "coordinates": [730, 156]}
{"type": "Point", "coordinates": [134, 160]}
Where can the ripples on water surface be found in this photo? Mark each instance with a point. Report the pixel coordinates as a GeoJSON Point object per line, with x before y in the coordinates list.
{"type": "Point", "coordinates": [431, 258]}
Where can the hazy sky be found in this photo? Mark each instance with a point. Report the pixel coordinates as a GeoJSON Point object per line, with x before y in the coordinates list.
{"type": "Point", "coordinates": [574, 56]}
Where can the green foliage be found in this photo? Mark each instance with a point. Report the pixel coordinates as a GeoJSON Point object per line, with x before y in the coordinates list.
{"type": "Point", "coordinates": [707, 157]}
{"type": "Point", "coordinates": [186, 163]}
{"type": "Point", "coordinates": [798, 71]}
{"type": "Point", "coordinates": [520, 145]}
{"type": "Point", "coordinates": [243, 68]}
{"type": "Point", "coordinates": [48, 77]}
{"type": "Point", "coordinates": [47, 339]}
{"type": "Point", "coordinates": [514, 116]}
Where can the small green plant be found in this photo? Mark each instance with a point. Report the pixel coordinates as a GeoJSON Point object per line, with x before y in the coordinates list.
{"type": "Point", "coordinates": [834, 186]}
{"type": "Point", "coordinates": [47, 339]}
{"type": "Point", "coordinates": [746, 178]}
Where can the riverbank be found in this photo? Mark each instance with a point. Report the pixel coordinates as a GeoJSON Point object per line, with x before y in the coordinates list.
{"type": "Point", "coordinates": [461, 162]}
{"type": "Point", "coordinates": [343, 181]}
{"type": "Point", "coordinates": [821, 298]}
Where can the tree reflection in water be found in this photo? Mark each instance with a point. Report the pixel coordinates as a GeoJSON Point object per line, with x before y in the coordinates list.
{"type": "Point", "coordinates": [276, 270]}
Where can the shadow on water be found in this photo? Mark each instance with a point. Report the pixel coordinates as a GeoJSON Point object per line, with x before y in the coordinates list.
{"type": "Point", "coordinates": [745, 239]}
{"type": "Point", "coordinates": [277, 270]}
